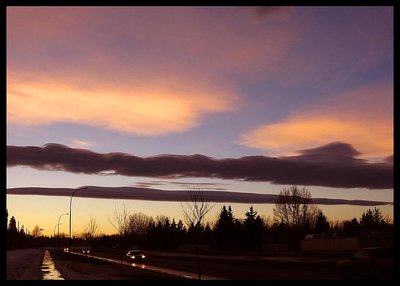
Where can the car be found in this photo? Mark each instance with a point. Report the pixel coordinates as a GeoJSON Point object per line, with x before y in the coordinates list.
{"type": "Point", "coordinates": [368, 263]}
{"type": "Point", "coordinates": [86, 250]}
{"type": "Point", "coordinates": [135, 255]}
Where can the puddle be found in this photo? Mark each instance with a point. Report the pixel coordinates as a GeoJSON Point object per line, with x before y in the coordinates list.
{"type": "Point", "coordinates": [48, 268]}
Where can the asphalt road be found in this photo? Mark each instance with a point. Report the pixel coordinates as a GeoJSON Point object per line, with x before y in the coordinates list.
{"type": "Point", "coordinates": [242, 267]}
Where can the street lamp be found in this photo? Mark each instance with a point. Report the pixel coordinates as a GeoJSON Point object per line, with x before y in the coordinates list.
{"type": "Point", "coordinates": [59, 222]}
{"type": "Point", "coordinates": [70, 215]}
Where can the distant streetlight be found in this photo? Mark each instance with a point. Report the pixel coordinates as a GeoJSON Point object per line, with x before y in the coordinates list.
{"type": "Point", "coordinates": [70, 215]}
{"type": "Point", "coordinates": [59, 222]}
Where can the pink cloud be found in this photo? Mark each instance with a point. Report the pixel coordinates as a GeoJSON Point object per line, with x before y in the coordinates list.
{"type": "Point", "coordinates": [363, 116]}
{"type": "Point", "coordinates": [147, 110]}
{"type": "Point", "coordinates": [118, 61]}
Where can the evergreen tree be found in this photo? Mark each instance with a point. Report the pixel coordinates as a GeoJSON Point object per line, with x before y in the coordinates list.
{"type": "Point", "coordinates": [12, 227]}
{"type": "Point", "coordinates": [321, 223]}
{"type": "Point", "coordinates": [181, 226]}
{"type": "Point", "coordinates": [250, 215]}
{"type": "Point", "coordinates": [372, 220]}
{"type": "Point", "coordinates": [208, 234]}
{"type": "Point", "coordinates": [12, 234]}
{"type": "Point", "coordinates": [173, 225]}
{"type": "Point", "coordinates": [351, 227]}
{"type": "Point", "coordinates": [225, 226]}
{"type": "Point", "coordinates": [253, 228]}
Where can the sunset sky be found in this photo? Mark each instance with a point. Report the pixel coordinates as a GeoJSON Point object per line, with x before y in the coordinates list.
{"type": "Point", "coordinates": [231, 99]}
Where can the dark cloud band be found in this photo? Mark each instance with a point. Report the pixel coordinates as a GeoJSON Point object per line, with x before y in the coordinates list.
{"type": "Point", "coordinates": [133, 193]}
{"type": "Point", "coordinates": [332, 165]}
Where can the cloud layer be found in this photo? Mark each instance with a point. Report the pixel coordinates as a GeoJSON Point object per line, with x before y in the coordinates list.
{"type": "Point", "coordinates": [115, 68]}
{"type": "Point", "coordinates": [150, 110]}
{"type": "Point", "coordinates": [363, 116]}
{"type": "Point", "coordinates": [132, 193]}
{"type": "Point", "coordinates": [332, 165]}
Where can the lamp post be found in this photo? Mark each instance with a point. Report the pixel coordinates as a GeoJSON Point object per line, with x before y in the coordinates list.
{"type": "Point", "coordinates": [70, 215]}
{"type": "Point", "coordinates": [59, 222]}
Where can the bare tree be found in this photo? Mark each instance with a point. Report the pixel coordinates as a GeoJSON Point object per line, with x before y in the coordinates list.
{"type": "Point", "coordinates": [294, 207]}
{"type": "Point", "coordinates": [139, 223]}
{"type": "Point", "coordinates": [91, 229]}
{"type": "Point", "coordinates": [120, 221]}
{"type": "Point", "coordinates": [196, 208]}
{"type": "Point", "coordinates": [37, 231]}
{"type": "Point", "coordinates": [194, 212]}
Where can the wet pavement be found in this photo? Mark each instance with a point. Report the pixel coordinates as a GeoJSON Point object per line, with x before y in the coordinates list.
{"type": "Point", "coordinates": [48, 268]}
{"type": "Point", "coordinates": [178, 273]}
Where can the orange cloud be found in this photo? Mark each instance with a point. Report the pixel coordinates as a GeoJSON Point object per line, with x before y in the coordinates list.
{"type": "Point", "coordinates": [362, 117]}
{"type": "Point", "coordinates": [115, 68]}
{"type": "Point", "coordinates": [144, 110]}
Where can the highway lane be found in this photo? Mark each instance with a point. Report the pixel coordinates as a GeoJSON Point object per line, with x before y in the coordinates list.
{"type": "Point", "coordinates": [179, 273]}
{"type": "Point", "coordinates": [235, 267]}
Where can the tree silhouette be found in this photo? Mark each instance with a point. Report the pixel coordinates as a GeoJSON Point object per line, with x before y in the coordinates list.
{"type": "Point", "coordinates": [225, 226]}
{"type": "Point", "coordinates": [91, 229]}
{"type": "Point", "coordinates": [196, 208]}
{"type": "Point", "coordinates": [294, 207]}
{"type": "Point", "coordinates": [12, 227]}
{"type": "Point", "coordinates": [120, 222]}
{"type": "Point", "coordinates": [180, 227]}
{"type": "Point", "coordinates": [350, 227]}
{"type": "Point", "coordinates": [139, 223]}
{"type": "Point", "coordinates": [37, 231]}
{"type": "Point", "coordinates": [194, 212]}
{"type": "Point", "coordinates": [12, 234]}
{"type": "Point", "coordinates": [180, 232]}
{"type": "Point", "coordinates": [321, 222]}
{"type": "Point", "coordinates": [253, 227]}
{"type": "Point", "coordinates": [372, 220]}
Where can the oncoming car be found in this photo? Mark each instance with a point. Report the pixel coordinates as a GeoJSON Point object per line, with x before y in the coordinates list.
{"type": "Point", "coordinates": [86, 250]}
{"type": "Point", "coordinates": [135, 255]}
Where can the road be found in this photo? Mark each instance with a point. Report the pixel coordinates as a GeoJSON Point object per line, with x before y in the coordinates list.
{"type": "Point", "coordinates": [238, 267]}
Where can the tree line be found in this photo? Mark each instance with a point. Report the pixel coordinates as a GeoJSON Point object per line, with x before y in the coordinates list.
{"type": "Point", "coordinates": [18, 237]}
{"type": "Point", "coordinates": [294, 216]}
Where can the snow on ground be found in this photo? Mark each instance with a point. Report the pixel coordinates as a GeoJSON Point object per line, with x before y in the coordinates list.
{"type": "Point", "coordinates": [24, 264]}
{"type": "Point", "coordinates": [49, 270]}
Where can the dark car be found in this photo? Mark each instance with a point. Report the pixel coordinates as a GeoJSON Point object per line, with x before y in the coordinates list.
{"type": "Point", "coordinates": [135, 255]}
{"type": "Point", "coordinates": [368, 263]}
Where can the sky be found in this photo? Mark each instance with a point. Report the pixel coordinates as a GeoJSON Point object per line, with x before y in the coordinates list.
{"type": "Point", "coordinates": [249, 100]}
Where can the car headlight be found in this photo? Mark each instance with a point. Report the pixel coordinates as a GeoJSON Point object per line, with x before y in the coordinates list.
{"type": "Point", "coordinates": [143, 256]}
{"type": "Point", "coordinates": [133, 256]}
